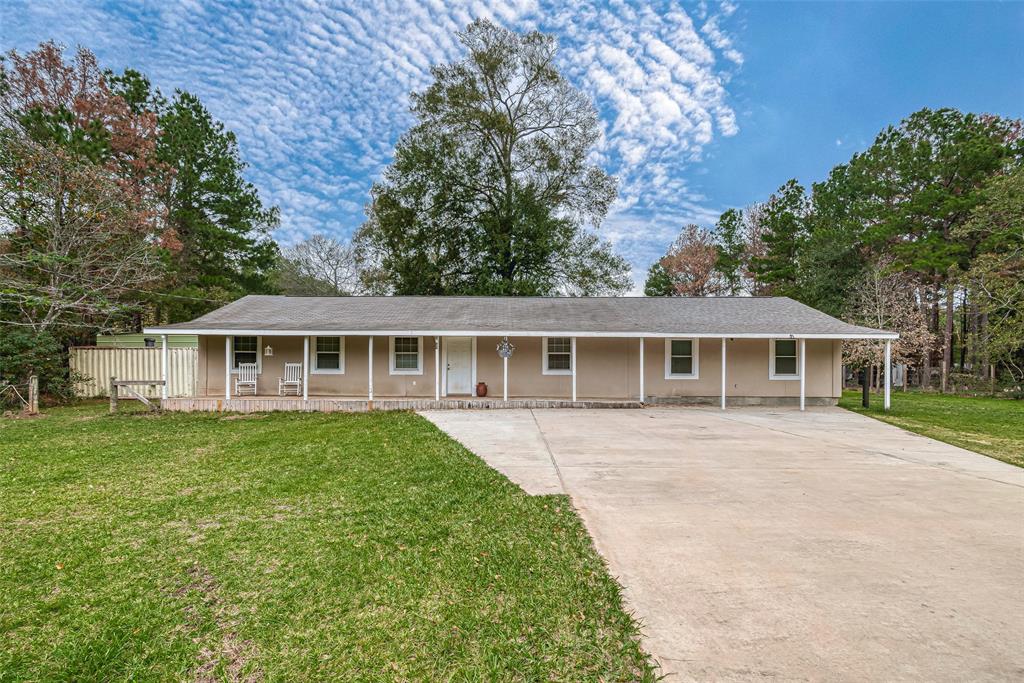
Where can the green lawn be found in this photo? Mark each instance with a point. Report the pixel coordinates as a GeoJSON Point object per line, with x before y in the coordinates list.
{"type": "Point", "coordinates": [289, 547]}
{"type": "Point", "coordinates": [992, 426]}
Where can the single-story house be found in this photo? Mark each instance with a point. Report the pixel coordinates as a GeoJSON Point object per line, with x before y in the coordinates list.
{"type": "Point", "coordinates": [350, 353]}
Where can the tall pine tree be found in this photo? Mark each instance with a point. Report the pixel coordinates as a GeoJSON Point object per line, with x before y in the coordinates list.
{"type": "Point", "coordinates": [783, 220]}
{"type": "Point", "coordinates": [224, 229]}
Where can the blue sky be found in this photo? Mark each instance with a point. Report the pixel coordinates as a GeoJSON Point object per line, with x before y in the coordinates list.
{"type": "Point", "coordinates": [705, 105]}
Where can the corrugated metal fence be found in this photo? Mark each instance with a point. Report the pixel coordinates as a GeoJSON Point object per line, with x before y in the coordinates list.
{"type": "Point", "coordinates": [100, 364]}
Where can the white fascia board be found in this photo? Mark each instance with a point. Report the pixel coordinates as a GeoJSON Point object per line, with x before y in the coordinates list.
{"type": "Point", "coordinates": [511, 333]}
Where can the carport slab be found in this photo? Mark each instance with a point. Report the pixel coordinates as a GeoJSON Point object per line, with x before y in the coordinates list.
{"type": "Point", "coordinates": [769, 543]}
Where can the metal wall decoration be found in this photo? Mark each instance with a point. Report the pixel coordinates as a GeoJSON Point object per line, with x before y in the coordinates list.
{"type": "Point", "coordinates": [505, 348]}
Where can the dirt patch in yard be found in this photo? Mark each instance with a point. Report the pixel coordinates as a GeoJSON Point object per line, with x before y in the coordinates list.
{"type": "Point", "coordinates": [19, 415]}
{"type": "Point", "coordinates": [231, 657]}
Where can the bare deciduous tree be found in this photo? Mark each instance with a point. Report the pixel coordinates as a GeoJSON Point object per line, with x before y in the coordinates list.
{"type": "Point", "coordinates": [753, 237]}
{"type": "Point", "coordinates": [886, 300]}
{"type": "Point", "coordinates": [75, 244]}
{"type": "Point", "coordinates": [81, 223]}
{"type": "Point", "coordinates": [319, 266]}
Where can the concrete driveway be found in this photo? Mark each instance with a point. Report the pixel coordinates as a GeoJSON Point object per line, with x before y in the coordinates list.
{"type": "Point", "coordinates": [769, 543]}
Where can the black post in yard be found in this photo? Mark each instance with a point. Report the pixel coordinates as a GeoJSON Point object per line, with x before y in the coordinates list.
{"type": "Point", "coordinates": [866, 395]}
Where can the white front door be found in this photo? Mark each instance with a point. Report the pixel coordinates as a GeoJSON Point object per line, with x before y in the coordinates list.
{"type": "Point", "coordinates": [459, 352]}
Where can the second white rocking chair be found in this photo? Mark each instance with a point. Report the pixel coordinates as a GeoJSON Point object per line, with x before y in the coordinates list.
{"type": "Point", "coordinates": [291, 383]}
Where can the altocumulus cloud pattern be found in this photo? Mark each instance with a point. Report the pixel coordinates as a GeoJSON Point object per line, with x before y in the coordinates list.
{"type": "Point", "coordinates": [318, 92]}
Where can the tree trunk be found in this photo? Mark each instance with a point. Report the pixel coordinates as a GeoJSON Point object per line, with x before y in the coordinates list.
{"type": "Point", "coordinates": [925, 381]}
{"type": "Point", "coordinates": [974, 356]}
{"type": "Point", "coordinates": [947, 339]}
{"type": "Point", "coordinates": [963, 332]}
{"type": "Point", "coordinates": [986, 358]}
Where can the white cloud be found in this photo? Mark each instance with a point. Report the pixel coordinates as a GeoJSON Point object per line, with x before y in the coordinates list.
{"type": "Point", "coordinates": [657, 82]}
{"type": "Point", "coordinates": [721, 41]}
{"type": "Point", "coordinates": [318, 92]}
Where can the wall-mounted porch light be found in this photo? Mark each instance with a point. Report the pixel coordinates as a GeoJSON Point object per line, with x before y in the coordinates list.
{"type": "Point", "coordinates": [268, 351]}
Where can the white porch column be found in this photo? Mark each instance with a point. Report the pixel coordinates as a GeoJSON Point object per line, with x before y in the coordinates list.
{"type": "Point", "coordinates": [572, 362]}
{"type": "Point", "coordinates": [803, 375]}
{"type": "Point", "coordinates": [888, 373]}
{"type": "Point", "coordinates": [227, 368]}
{"type": "Point", "coordinates": [437, 368]}
{"type": "Point", "coordinates": [642, 395]}
{"type": "Point", "coordinates": [504, 378]}
{"type": "Point", "coordinates": [305, 368]}
{"type": "Point", "coordinates": [723, 373]}
{"type": "Point", "coordinates": [369, 356]}
{"type": "Point", "coordinates": [163, 365]}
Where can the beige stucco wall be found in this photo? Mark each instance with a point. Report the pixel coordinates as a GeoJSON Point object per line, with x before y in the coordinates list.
{"type": "Point", "coordinates": [747, 370]}
{"type": "Point", "coordinates": [606, 368]}
{"type": "Point", "coordinates": [353, 382]}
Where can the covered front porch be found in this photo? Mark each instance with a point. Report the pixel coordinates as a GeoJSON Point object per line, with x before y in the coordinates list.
{"type": "Point", "coordinates": [349, 372]}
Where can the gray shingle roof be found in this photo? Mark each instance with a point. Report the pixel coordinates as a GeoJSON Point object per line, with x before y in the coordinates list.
{"type": "Point", "coordinates": [626, 316]}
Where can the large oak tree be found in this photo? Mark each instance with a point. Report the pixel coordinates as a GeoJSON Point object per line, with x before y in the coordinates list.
{"type": "Point", "coordinates": [492, 191]}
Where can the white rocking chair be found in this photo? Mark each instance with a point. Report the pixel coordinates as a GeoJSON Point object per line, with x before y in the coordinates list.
{"type": "Point", "coordinates": [291, 383]}
{"type": "Point", "coordinates": [245, 381]}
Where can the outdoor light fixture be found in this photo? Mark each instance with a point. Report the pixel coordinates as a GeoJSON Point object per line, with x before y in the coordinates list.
{"type": "Point", "coordinates": [268, 351]}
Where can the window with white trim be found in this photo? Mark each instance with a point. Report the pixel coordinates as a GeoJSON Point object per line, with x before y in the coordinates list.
{"type": "Point", "coordinates": [245, 350]}
{"type": "Point", "coordinates": [557, 356]}
{"type": "Point", "coordinates": [406, 355]}
{"type": "Point", "coordinates": [329, 355]}
{"type": "Point", "coordinates": [681, 358]}
{"type": "Point", "coordinates": [785, 362]}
